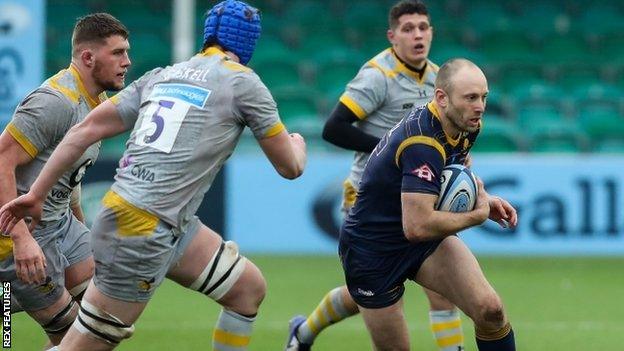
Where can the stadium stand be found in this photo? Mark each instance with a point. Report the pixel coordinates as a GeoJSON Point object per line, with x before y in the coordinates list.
{"type": "Point", "coordinates": [556, 69]}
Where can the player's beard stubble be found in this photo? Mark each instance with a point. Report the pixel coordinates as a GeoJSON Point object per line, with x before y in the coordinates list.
{"type": "Point", "coordinates": [101, 80]}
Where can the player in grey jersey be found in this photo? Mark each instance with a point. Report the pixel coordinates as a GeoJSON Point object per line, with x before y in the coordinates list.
{"type": "Point", "coordinates": [382, 92]}
{"type": "Point", "coordinates": [50, 266]}
{"type": "Point", "coordinates": [187, 119]}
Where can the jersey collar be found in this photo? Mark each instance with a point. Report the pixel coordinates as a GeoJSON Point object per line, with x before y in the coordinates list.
{"type": "Point", "coordinates": [433, 108]}
{"type": "Point", "coordinates": [91, 101]}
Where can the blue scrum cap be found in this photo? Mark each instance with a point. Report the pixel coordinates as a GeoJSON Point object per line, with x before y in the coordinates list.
{"type": "Point", "coordinates": [235, 26]}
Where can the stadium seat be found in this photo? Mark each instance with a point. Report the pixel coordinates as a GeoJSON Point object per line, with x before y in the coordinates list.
{"type": "Point", "coordinates": [612, 45]}
{"type": "Point", "coordinates": [509, 46]}
{"type": "Point", "coordinates": [575, 77]}
{"type": "Point", "coordinates": [601, 120]}
{"type": "Point", "coordinates": [537, 94]}
{"type": "Point", "coordinates": [554, 136]}
{"type": "Point", "coordinates": [497, 135]}
{"type": "Point", "coordinates": [440, 53]}
{"type": "Point", "coordinates": [601, 17]}
{"type": "Point", "coordinates": [567, 49]}
{"type": "Point", "coordinates": [609, 146]}
{"type": "Point", "coordinates": [277, 72]}
{"type": "Point", "coordinates": [335, 68]}
{"type": "Point", "coordinates": [539, 19]}
{"type": "Point", "coordinates": [511, 76]}
{"type": "Point", "coordinates": [296, 101]}
{"type": "Point", "coordinates": [487, 17]}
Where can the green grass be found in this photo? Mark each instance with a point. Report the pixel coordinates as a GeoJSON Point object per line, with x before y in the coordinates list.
{"type": "Point", "coordinates": [553, 303]}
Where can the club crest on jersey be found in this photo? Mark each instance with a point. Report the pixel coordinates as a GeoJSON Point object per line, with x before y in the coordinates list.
{"type": "Point", "coordinates": [424, 172]}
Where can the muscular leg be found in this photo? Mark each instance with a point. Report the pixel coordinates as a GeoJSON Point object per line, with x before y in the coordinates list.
{"type": "Point", "coordinates": [241, 300]}
{"type": "Point", "coordinates": [78, 274]}
{"type": "Point", "coordinates": [55, 318]}
{"type": "Point", "coordinates": [387, 327]}
{"type": "Point", "coordinates": [125, 312]}
{"type": "Point", "coordinates": [453, 271]}
{"type": "Point", "coordinates": [445, 322]}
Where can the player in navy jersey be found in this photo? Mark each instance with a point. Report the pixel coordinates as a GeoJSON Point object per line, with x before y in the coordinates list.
{"type": "Point", "coordinates": [393, 233]}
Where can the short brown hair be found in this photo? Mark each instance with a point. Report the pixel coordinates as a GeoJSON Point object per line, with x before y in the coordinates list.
{"type": "Point", "coordinates": [97, 27]}
{"type": "Point", "coordinates": [406, 7]}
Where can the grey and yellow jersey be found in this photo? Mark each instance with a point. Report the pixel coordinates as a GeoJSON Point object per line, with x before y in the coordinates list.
{"type": "Point", "coordinates": [39, 124]}
{"type": "Point", "coordinates": [381, 94]}
{"type": "Point", "coordinates": [187, 120]}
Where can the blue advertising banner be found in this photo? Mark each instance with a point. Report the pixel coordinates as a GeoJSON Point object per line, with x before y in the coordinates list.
{"type": "Point", "coordinates": [568, 205]}
{"type": "Point", "coordinates": [21, 51]}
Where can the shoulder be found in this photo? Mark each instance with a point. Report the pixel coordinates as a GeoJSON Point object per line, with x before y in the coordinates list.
{"type": "Point", "coordinates": [382, 64]}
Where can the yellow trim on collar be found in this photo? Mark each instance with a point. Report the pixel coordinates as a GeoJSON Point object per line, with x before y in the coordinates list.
{"type": "Point", "coordinates": [91, 101]}
{"type": "Point", "coordinates": [433, 107]}
{"type": "Point", "coordinates": [420, 139]}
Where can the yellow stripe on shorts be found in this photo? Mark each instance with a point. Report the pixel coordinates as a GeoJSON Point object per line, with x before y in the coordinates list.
{"type": "Point", "coordinates": [229, 339]}
{"type": "Point", "coordinates": [131, 220]}
{"type": "Point", "coordinates": [6, 247]}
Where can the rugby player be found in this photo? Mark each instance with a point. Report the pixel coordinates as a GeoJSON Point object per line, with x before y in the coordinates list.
{"type": "Point", "coordinates": [383, 91]}
{"type": "Point", "coordinates": [50, 266]}
{"type": "Point", "coordinates": [393, 233]}
{"type": "Point", "coordinates": [186, 121]}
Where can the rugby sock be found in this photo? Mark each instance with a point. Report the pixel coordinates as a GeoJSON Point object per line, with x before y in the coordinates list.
{"type": "Point", "coordinates": [447, 330]}
{"type": "Point", "coordinates": [329, 311]}
{"type": "Point", "coordinates": [500, 340]}
{"type": "Point", "coordinates": [233, 331]}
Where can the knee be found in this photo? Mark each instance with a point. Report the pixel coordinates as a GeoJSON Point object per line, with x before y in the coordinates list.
{"type": "Point", "coordinates": [248, 293]}
{"type": "Point", "coordinates": [490, 312]}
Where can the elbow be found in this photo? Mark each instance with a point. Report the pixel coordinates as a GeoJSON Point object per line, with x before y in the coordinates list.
{"type": "Point", "coordinates": [416, 233]}
{"type": "Point", "coordinates": [291, 172]}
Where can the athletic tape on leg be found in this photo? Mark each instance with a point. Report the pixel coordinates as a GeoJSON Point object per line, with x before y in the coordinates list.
{"type": "Point", "coordinates": [222, 272]}
{"type": "Point", "coordinates": [92, 320]}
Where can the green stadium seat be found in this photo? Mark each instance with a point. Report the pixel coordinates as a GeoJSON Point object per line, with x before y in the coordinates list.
{"type": "Point", "coordinates": [602, 18]}
{"type": "Point", "coordinates": [335, 68]}
{"type": "Point", "coordinates": [271, 47]}
{"type": "Point", "coordinates": [497, 135]}
{"type": "Point", "coordinates": [536, 93]}
{"type": "Point", "coordinates": [597, 92]}
{"type": "Point", "coordinates": [601, 120]}
{"type": "Point", "coordinates": [567, 49]}
{"type": "Point", "coordinates": [609, 146]}
{"type": "Point", "coordinates": [487, 17]}
{"type": "Point", "coordinates": [575, 77]}
{"type": "Point", "coordinates": [532, 116]}
{"type": "Point", "coordinates": [612, 45]}
{"type": "Point", "coordinates": [509, 46]}
{"type": "Point", "coordinates": [441, 53]}
{"type": "Point", "coordinates": [295, 101]}
{"type": "Point", "coordinates": [539, 19]}
{"type": "Point", "coordinates": [276, 73]}
{"type": "Point", "coordinates": [510, 76]}
{"type": "Point", "coordinates": [556, 137]}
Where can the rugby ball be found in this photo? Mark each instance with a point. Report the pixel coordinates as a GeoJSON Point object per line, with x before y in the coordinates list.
{"type": "Point", "coordinates": [458, 189]}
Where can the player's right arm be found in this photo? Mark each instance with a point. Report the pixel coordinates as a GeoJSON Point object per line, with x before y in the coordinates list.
{"type": "Point", "coordinates": [287, 153]}
{"type": "Point", "coordinates": [28, 257]}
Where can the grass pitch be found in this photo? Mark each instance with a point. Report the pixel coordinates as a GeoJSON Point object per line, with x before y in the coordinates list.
{"type": "Point", "coordinates": [555, 304]}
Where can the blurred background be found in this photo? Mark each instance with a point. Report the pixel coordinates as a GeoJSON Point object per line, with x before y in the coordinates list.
{"type": "Point", "coordinates": [552, 143]}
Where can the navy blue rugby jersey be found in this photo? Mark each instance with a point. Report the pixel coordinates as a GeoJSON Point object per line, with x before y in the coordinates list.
{"type": "Point", "coordinates": [408, 159]}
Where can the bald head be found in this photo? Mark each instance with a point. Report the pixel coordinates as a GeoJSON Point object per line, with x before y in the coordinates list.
{"type": "Point", "coordinates": [458, 70]}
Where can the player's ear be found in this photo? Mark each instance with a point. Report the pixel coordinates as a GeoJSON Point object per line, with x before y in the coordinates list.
{"type": "Point", "coordinates": [440, 97]}
{"type": "Point", "coordinates": [390, 36]}
{"type": "Point", "coordinates": [87, 57]}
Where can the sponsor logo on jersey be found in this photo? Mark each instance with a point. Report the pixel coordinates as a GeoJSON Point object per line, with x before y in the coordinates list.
{"type": "Point", "coordinates": [60, 194]}
{"type": "Point", "coordinates": [424, 172]}
{"type": "Point", "coordinates": [408, 105]}
{"type": "Point", "coordinates": [142, 173]}
{"type": "Point", "coordinates": [365, 292]}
